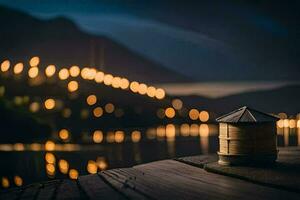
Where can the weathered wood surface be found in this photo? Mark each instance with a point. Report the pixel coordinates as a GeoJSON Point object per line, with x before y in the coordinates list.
{"type": "Point", "coordinates": [183, 178]}
{"type": "Point", "coordinates": [95, 188]}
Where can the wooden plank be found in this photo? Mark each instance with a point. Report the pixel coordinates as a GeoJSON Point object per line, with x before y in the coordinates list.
{"type": "Point", "coordinates": [95, 188]}
{"type": "Point", "coordinates": [122, 184]}
{"type": "Point", "coordinates": [47, 191]}
{"type": "Point", "coordinates": [30, 192]}
{"type": "Point", "coordinates": [285, 174]}
{"type": "Point", "coordinates": [198, 161]}
{"type": "Point", "coordinates": [174, 180]}
{"type": "Point", "coordinates": [68, 189]}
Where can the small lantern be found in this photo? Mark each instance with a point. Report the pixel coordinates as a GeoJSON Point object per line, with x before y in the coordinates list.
{"type": "Point", "coordinates": [247, 137]}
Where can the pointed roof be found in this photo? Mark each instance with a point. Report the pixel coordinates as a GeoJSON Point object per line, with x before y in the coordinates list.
{"type": "Point", "coordinates": [246, 114]}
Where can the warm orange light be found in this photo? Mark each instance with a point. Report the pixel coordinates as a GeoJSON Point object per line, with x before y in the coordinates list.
{"type": "Point", "coordinates": [50, 158]}
{"type": "Point", "coordinates": [72, 86]}
{"type": "Point", "coordinates": [18, 181]}
{"type": "Point", "coordinates": [50, 70]}
{"type": "Point", "coordinates": [85, 73]}
{"type": "Point", "coordinates": [98, 112]}
{"type": "Point", "coordinates": [185, 130]}
{"type": "Point", "coordinates": [63, 134]}
{"type": "Point", "coordinates": [63, 166]}
{"type": "Point", "coordinates": [50, 169]}
{"type": "Point", "coordinates": [280, 123]}
{"type": "Point", "coordinates": [110, 137]}
{"type": "Point", "coordinates": [34, 107]}
{"type": "Point", "coordinates": [109, 108]}
{"type": "Point", "coordinates": [101, 163]}
{"type": "Point", "coordinates": [160, 93]}
{"type": "Point", "coordinates": [74, 71]}
{"type": "Point", "coordinates": [33, 72]}
{"type": "Point", "coordinates": [136, 136]}
{"type": "Point", "coordinates": [98, 136]}
{"type": "Point", "coordinates": [119, 136]}
{"type": "Point", "coordinates": [19, 147]}
{"type": "Point", "coordinates": [63, 74]}
{"type": "Point", "coordinates": [170, 131]}
{"type": "Point", "coordinates": [177, 104]}
{"type": "Point", "coordinates": [194, 114]}
{"type": "Point", "coordinates": [286, 123]}
{"type": "Point", "coordinates": [91, 73]}
{"type": "Point", "coordinates": [49, 146]}
{"type": "Point", "coordinates": [99, 77]}
{"type": "Point", "coordinates": [18, 68]}
{"type": "Point", "coordinates": [5, 65]}
{"type": "Point", "coordinates": [204, 130]}
{"type": "Point", "coordinates": [91, 100]}
{"type": "Point", "coordinates": [92, 167]}
{"type": "Point", "coordinates": [5, 182]}
{"type": "Point", "coordinates": [73, 174]}
{"type": "Point", "coordinates": [292, 123]}
{"type": "Point", "coordinates": [204, 116]}
{"type": "Point", "coordinates": [282, 115]}
{"type": "Point", "coordinates": [124, 83]}
{"type": "Point", "coordinates": [160, 131]}
{"type": "Point", "coordinates": [108, 79]}
{"type": "Point", "coordinates": [34, 61]}
{"type": "Point", "coordinates": [194, 130]}
{"type": "Point", "coordinates": [134, 86]}
{"type": "Point", "coordinates": [116, 82]}
{"type": "Point", "coordinates": [49, 104]}
{"type": "Point", "coordinates": [170, 112]}
{"type": "Point", "coordinates": [142, 89]}
{"type": "Point", "coordinates": [151, 91]}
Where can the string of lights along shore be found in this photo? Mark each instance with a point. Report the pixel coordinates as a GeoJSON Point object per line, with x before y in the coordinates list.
{"type": "Point", "coordinates": [86, 73]}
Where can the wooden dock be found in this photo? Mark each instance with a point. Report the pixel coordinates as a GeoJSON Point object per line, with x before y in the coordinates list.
{"type": "Point", "coordinates": [195, 177]}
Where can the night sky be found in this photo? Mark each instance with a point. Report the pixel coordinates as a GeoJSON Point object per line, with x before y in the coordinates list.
{"type": "Point", "coordinates": [207, 40]}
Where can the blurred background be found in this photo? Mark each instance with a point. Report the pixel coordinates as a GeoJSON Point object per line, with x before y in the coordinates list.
{"type": "Point", "coordinates": [90, 85]}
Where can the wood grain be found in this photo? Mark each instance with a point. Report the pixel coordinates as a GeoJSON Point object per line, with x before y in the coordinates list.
{"type": "Point", "coordinates": [68, 189]}
{"type": "Point", "coordinates": [174, 180]}
{"type": "Point", "coordinates": [95, 188]}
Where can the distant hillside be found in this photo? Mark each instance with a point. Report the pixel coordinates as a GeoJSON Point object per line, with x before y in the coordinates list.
{"type": "Point", "coordinates": [60, 42]}
{"type": "Point", "coordinates": [285, 99]}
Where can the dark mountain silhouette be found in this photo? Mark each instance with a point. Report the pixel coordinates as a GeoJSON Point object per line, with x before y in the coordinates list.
{"type": "Point", "coordinates": [285, 99]}
{"type": "Point", "coordinates": [60, 42]}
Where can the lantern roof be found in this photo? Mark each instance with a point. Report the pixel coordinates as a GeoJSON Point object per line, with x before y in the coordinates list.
{"type": "Point", "coordinates": [246, 114]}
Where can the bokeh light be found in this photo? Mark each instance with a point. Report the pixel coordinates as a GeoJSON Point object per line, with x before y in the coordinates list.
{"type": "Point", "coordinates": [97, 136]}
{"type": "Point", "coordinates": [73, 86]}
{"type": "Point", "coordinates": [91, 100]}
{"type": "Point", "coordinates": [33, 72]}
{"type": "Point", "coordinates": [170, 112]}
{"type": "Point", "coordinates": [194, 114]}
{"type": "Point", "coordinates": [34, 61]}
{"type": "Point", "coordinates": [18, 68]}
{"type": "Point", "coordinates": [74, 71]}
{"type": "Point", "coordinates": [5, 65]}
{"type": "Point", "coordinates": [50, 70]}
{"type": "Point", "coordinates": [204, 116]}
{"type": "Point", "coordinates": [98, 112]}
{"type": "Point", "coordinates": [49, 104]}
{"type": "Point", "coordinates": [63, 74]}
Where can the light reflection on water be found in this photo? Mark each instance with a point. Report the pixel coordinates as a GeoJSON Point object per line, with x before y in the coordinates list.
{"type": "Point", "coordinates": [27, 163]}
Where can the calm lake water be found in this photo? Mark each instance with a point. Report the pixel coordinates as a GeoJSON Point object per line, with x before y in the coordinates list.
{"type": "Point", "coordinates": [27, 163]}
